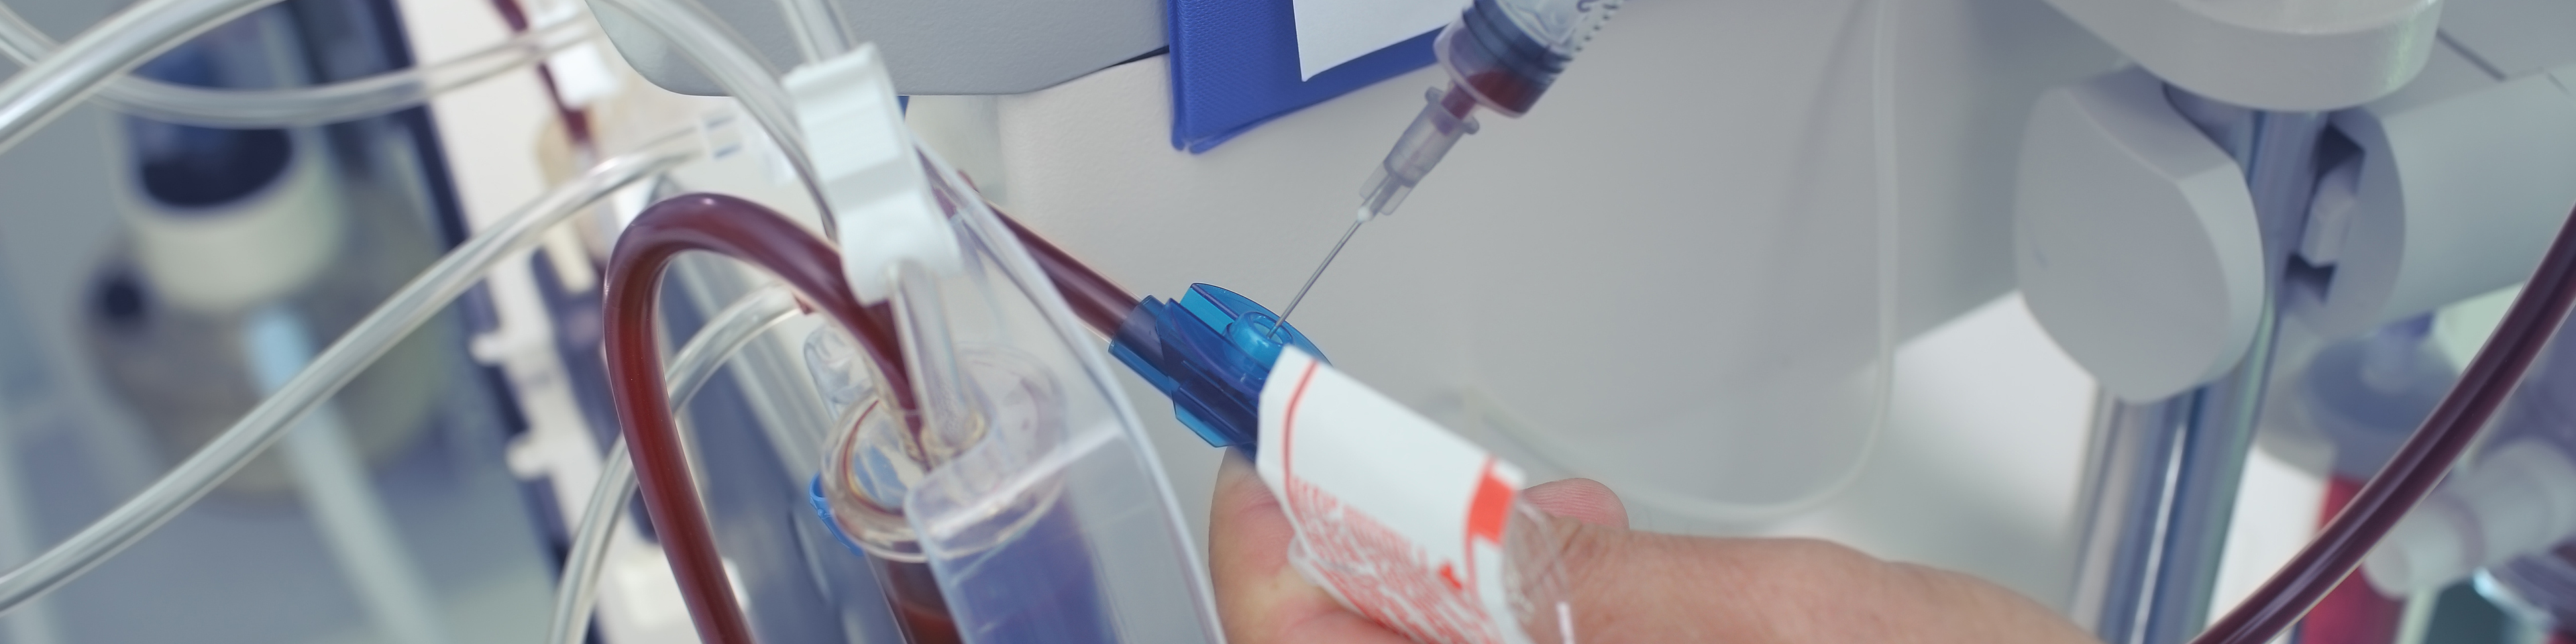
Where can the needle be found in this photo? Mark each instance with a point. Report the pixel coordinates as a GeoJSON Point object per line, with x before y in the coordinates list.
{"type": "Point", "coordinates": [1319, 273]}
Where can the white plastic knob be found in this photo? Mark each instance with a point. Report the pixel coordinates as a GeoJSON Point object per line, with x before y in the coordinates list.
{"type": "Point", "coordinates": [2135, 238]}
{"type": "Point", "coordinates": [2289, 55]}
{"type": "Point", "coordinates": [2519, 499]}
{"type": "Point", "coordinates": [2459, 184]}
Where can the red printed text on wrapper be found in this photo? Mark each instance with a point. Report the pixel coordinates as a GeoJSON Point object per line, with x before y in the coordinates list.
{"type": "Point", "coordinates": [1430, 575]}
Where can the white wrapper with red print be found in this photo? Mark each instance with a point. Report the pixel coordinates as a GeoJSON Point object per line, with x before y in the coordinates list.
{"type": "Point", "coordinates": [1403, 521]}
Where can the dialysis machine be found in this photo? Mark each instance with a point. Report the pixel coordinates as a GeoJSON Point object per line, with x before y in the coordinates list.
{"type": "Point", "coordinates": [333, 320]}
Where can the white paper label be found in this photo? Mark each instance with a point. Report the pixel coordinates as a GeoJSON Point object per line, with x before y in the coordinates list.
{"type": "Point", "coordinates": [1332, 32]}
{"type": "Point", "coordinates": [1399, 519]}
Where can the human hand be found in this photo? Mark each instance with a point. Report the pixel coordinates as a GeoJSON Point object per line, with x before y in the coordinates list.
{"type": "Point", "coordinates": [1629, 586]}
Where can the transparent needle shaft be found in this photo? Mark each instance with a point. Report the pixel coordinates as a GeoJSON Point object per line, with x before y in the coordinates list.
{"type": "Point", "coordinates": [1319, 272]}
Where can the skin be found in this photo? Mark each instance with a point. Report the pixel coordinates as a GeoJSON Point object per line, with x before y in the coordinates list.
{"type": "Point", "coordinates": [1633, 586]}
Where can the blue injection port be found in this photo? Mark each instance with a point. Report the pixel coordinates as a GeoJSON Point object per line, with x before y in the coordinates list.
{"type": "Point", "coordinates": [1210, 352]}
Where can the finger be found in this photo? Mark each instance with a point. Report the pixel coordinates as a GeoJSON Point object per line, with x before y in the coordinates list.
{"type": "Point", "coordinates": [1643, 587]}
{"type": "Point", "coordinates": [1246, 530]}
{"type": "Point", "coordinates": [1584, 500]}
{"type": "Point", "coordinates": [1261, 598]}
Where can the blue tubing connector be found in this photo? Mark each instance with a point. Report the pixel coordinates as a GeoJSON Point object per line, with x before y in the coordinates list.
{"type": "Point", "coordinates": [1210, 352]}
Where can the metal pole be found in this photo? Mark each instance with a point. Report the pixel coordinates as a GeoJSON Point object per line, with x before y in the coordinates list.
{"type": "Point", "coordinates": [2210, 462]}
{"type": "Point", "coordinates": [2279, 156]}
{"type": "Point", "coordinates": [2167, 493]}
{"type": "Point", "coordinates": [2128, 474]}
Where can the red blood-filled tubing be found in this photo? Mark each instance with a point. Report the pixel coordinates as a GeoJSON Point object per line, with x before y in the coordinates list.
{"type": "Point", "coordinates": [745, 231]}
{"type": "Point", "coordinates": [2353, 613]}
{"type": "Point", "coordinates": [1099, 302]}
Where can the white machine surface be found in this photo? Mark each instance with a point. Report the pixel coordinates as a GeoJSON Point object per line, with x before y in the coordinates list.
{"type": "Point", "coordinates": [1599, 282]}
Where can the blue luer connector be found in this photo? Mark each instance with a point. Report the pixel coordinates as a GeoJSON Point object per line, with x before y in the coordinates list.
{"type": "Point", "coordinates": [1210, 352]}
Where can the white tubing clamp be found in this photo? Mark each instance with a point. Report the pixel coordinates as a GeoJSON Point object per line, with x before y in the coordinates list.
{"type": "Point", "coordinates": [874, 186]}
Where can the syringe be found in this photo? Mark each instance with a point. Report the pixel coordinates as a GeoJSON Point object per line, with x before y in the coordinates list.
{"type": "Point", "coordinates": [1502, 55]}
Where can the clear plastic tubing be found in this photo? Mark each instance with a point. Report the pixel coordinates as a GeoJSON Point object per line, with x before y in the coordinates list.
{"type": "Point", "coordinates": [42, 91]}
{"type": "Point", "coordinates": [705, 41]}
{"type": "Point", "coordinates": [112, 47]}
{"type": "Point", "coordinates": [1098, 302]}
{"type": "Point", "coordinates": [423, 297]}
{"type": "Point", "coordinates": [751, 233]}
{"type": "Point", "coordinates": [746, 231]}
{"type": "Point", "coordinates": [2417, 466]}
{"type": "Point", "coordinates": [690, 369]}
{"type": "Point", "coordinates": [300, 106]}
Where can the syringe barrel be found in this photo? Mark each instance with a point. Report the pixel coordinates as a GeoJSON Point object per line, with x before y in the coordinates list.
{"type": "Point", "coordinates": [1508, 52]}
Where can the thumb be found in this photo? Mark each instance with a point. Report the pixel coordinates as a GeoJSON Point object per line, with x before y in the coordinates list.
{"type": "Point", "coordinates": [1261, 598]}
{"type": "Point", "coordinates": [1584, 500]}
